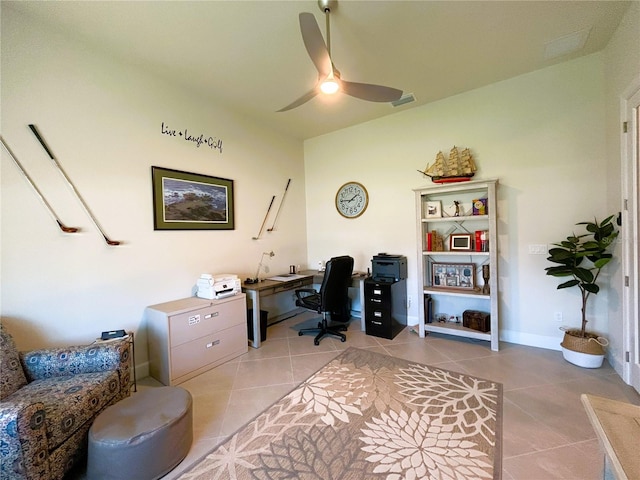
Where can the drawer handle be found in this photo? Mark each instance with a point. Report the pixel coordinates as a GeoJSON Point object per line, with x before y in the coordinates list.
{"type": "Point", "coordinates": [212, 344]}
{"type": "Point", "coordinates": [376, 300]}
{"type": "Point", "coordinates": [209, 315]}
{"type": "Point", "coordinates": [377, 323]}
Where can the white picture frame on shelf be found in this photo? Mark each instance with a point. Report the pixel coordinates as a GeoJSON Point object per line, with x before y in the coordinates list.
{"type": "Point", "coordinates": [461, 242]}
{"type": "Point", "coordinates": [433, 209]}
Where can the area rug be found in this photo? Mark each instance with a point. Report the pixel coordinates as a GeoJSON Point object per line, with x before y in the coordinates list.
{"type": "Point", "coordinates": [369, 416]}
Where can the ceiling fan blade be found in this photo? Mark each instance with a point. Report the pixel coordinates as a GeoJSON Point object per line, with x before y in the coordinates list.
{"type": "Point", "coordinates": [370, 92]}
{"type": "Point", "coordinates": [303, 99]}
{"type": "Point", "coordinates": [314, 43]}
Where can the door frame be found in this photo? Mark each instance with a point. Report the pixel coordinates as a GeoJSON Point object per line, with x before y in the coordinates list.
{"type": "Point", "coordinates": [630, 156]}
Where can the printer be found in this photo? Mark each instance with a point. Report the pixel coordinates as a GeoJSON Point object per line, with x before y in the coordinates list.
{"type": "Point", "coordinates": [215, 287]}
{"type": "Point", "coordinates": [389, 268]}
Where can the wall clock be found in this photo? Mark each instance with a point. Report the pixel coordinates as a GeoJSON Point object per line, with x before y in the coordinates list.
{"type": "Point", "coordinates": [352, 200]}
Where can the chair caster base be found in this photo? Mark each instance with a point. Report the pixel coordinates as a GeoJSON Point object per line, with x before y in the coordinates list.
{"type": "Point", "coordinates": [323, 330]}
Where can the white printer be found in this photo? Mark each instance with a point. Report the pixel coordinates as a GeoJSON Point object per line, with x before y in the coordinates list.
{"type": "Point", "coordinates": [214, 287]}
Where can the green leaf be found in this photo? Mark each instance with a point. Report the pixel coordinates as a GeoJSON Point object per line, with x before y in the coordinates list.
{"type": "Point", "coordinates": [591, 245]}
{"type": "Point", "coordinates": [609, 239]}
{"type": "Point", "coordinates": [570, 283]}
{"type": "Point", "coordinates": [559, 271]}
{"type": "Point", "coordinates": [560, 254]}
{"type": "Point", "coordinates": [607, 220]}
{"type": "Point", "coordinates": [595, 258]}
{"type": "Point", "coordinates": [584, 274]}
{"type": "Point", "coordinates": [601, 262]}
{"type": "Point", "coordinates": [606, 230]}
{"type": "Point", "coordinates": [591, 287]}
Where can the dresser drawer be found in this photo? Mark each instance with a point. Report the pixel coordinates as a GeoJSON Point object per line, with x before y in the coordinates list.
{"type": "Point", "coordinates": [206, 350]}
{"type": "Point", "coordinates": [198, 323]}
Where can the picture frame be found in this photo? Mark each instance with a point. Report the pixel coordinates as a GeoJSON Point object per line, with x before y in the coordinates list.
{"type": "Point", "coordinates": [453, 276]}
{"type": "Point", "coordinates": [433, 209]}
{"type": "Point", "coordinates": [191, 201]}
{"type": "Point", "coordinates": [479, 206]}
{"type": "Point", "coordinates": [461, 242]}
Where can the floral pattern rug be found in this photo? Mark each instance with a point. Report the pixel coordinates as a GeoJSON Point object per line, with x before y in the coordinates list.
{"type": "Point", "coordinates": [369, 416]}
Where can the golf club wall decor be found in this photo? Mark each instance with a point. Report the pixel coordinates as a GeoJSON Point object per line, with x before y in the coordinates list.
{"type": "Point", "coordinates": [266, 215]}
{"type": "Point", "coordinates": [40, 195]}
{"type": "Point", "coordinates": [73, 187]}
{"type": "Point", "coordinates": [278, 212]}
{"type": "Point", "coordinates": [198, 140]}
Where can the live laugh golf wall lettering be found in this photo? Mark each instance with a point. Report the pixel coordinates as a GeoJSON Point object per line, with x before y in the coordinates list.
{"type": "Point", "coordinates": [212, 142]}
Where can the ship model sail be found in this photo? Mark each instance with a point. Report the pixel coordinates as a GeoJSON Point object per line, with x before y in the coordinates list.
{"type": "Point", "coordinates": [459, 167]}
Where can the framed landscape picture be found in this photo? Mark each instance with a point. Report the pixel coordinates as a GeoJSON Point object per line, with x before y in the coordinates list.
{"type": "Point", "coordinates": [190, 201]}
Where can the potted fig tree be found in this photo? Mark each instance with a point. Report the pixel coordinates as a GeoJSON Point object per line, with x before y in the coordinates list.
{"type": "Point", "coordinates": [580, 259]}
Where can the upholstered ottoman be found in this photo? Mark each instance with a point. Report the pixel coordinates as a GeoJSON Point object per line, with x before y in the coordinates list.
{"type": "Point", "coordinates": [143, 437]}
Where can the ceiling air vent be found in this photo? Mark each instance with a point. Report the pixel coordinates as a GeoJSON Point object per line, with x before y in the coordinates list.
{"type": "Point", "coordinates": [565, 45]}
{"type": "Point", "coordinates": [406, 98]}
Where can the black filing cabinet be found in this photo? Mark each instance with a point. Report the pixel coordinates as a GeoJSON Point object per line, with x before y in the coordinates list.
{"type": "Point", "coordinates": [385, 307]}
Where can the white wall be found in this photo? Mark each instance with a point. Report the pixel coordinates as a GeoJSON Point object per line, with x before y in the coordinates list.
{"type": "Point", "coordinates": [102, 120]}
{"type": "Point", "coordinates": [541, 134]}
{"type": "Point", "coordinates": [622, 67]}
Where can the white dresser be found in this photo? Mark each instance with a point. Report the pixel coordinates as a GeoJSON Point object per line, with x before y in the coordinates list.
{"type": "Point", "coordinates": [190, 336]}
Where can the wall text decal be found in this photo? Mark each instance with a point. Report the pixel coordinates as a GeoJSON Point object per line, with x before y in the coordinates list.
{"type": "Point", "coordinates": [212, 142]}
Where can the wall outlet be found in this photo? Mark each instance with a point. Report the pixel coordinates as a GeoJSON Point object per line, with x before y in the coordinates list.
{"type": "Point", "coordinates": [408, 301]}
{"type": "Point", "coordinates": [558, 316]}
{"type": "Point", "coordinates": [538, 249]}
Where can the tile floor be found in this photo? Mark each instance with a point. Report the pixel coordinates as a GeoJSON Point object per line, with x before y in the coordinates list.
{"type": "Point", "coordinates": [546, 433]}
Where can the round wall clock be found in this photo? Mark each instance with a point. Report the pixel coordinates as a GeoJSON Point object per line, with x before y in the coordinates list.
{"type": "Point", "coordinates": [352, 199]}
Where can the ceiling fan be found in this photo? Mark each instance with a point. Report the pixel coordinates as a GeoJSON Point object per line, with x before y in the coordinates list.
{"type": "Point", "coordinates": [329, 80]}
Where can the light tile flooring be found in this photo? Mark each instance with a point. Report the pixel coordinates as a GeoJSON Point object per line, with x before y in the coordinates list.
{"type": "Point", "coordinates": [546, 433]}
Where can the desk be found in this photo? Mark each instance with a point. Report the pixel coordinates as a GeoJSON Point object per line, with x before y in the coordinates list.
{"type": "Point", "coordinates": [617, 425]}
{"type": "Point", "coordinates": [264, 288]}
{"type": "Point", "coordinates": [305, 278]}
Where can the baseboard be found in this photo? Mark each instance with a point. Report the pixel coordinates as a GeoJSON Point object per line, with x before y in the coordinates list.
{"type": "Point", "coordinates": [530, 339]}
{"type": "Point", "coordinates": [142, 370]}
{"type": "Point", "coordinates": [519, 338]}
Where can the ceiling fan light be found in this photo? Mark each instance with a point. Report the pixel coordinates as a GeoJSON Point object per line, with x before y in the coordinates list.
{"type": "Point", "coordinates": [329, 86]}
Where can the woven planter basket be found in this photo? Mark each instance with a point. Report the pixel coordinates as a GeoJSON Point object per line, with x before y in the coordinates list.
{"type": "Point", "coordinates": [592, 344]}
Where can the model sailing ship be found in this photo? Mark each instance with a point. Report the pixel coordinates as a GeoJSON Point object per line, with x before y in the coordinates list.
{"type": "Point", "coordinates": [460, 167]}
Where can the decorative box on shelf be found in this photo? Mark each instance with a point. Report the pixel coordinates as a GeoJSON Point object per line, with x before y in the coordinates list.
{"type": "Point", "coordinates": [476, 320]}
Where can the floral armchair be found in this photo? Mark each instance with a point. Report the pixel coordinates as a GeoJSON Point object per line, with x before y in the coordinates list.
{"type": "Point", "coordinates": [49, 399]}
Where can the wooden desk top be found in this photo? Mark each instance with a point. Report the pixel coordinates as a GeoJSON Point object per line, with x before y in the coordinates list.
{"type": "Point", "coordinates": [267, 287]}
{"type": "Point", "coordinates": [304, 278]}
{"type": "Point", "coordinates": [617, 425]}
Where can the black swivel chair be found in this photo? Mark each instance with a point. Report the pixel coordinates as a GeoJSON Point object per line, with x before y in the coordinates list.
{"type": "Point", "coordinates": [332, 298]}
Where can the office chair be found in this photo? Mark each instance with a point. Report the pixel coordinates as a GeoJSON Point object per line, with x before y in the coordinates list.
{"type": "Point", "coordinates": [332, 298]}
